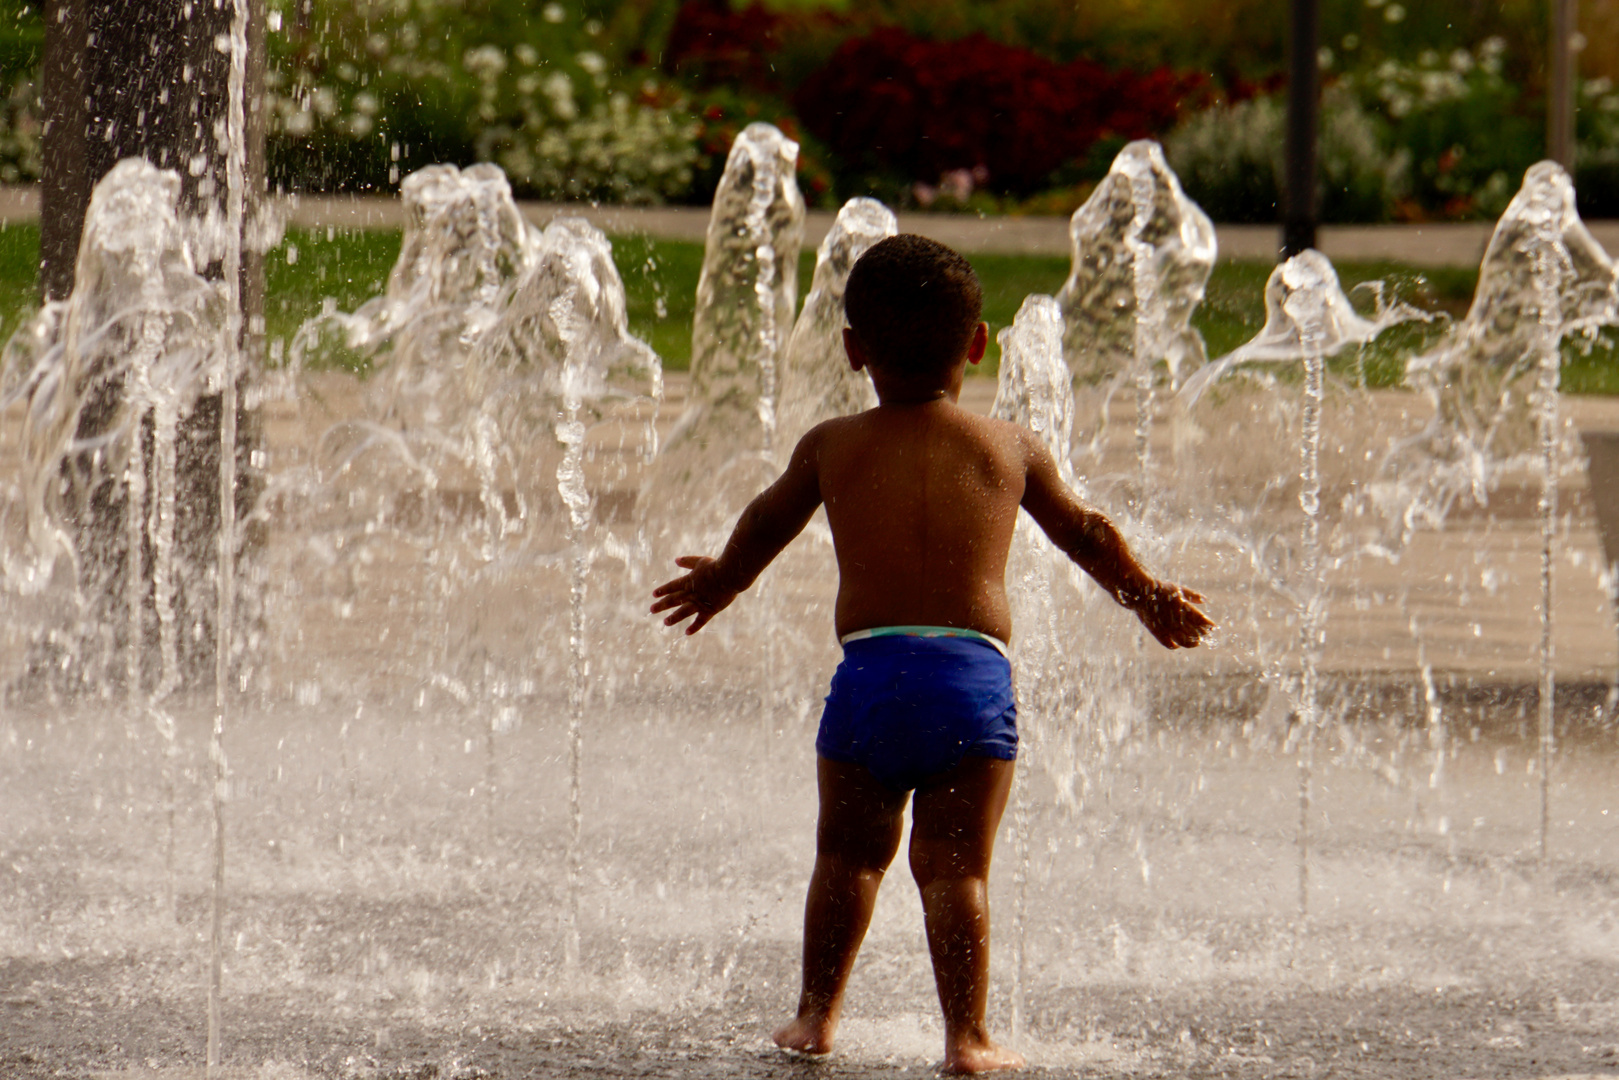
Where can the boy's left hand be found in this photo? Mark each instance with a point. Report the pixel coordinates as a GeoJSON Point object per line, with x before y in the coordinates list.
{"type": "Point", "coordinates": [1170, 614]}
{"type": "Point", "coordinates": [699, 593]}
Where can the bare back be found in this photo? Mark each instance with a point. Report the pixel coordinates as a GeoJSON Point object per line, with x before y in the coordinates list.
{"type": "Point", "coordinates": [922, 501]}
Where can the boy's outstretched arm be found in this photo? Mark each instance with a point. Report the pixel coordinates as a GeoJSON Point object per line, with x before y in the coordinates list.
{"type": "Point", "coordinates": [1168, 611]}
{"type": "Point", "coordinates": [770, 522]}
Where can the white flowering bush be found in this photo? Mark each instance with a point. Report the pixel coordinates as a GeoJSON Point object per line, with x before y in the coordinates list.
{"type": "Point", "coordinates": [1445, 134]}
{"type": "Point", "coordinates": [619, 151]}
{"type": "Point", "coordinates": [364, 91]}
{"type": "Point", "coordinates": [1230, 160]}
{"type": "Point", "coordinates": [22, 41]}
{"type": "Point", "coordinates": [20, 132]}
{"type": "Point", "coordinates": [555, 141]}
{"type": "Point", "coordinates": [1468, 134]}
{"type": "Point", "coordinates": [1436, 80]}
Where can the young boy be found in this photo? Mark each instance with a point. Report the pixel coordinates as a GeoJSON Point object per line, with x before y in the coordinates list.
{"type": "Point", "coordinates": [922, 498]}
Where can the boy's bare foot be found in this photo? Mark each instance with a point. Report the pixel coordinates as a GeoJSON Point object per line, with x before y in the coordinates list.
{"type": "Point", "coordinates": [977, 1057]}
{"type": "Point", "coordinates": [806, 1034]}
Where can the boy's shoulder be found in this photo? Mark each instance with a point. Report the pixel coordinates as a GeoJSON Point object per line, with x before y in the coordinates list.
{"type": "Point", "coordinates": [875, 425]}
{"type": "Point", "coordinates": [1003, 432]}
{"type": "Point", "coordinates": [876, 418]}
{"type": "Point", "coordinates": [834, 430]}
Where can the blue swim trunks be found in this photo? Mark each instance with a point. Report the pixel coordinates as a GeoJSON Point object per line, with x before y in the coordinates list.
{"type": "Point", "coordinates": [909, 705]}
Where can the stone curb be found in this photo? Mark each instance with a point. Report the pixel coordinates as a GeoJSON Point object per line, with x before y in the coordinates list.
{"type": "Point", "coordinates": [1441, 244]}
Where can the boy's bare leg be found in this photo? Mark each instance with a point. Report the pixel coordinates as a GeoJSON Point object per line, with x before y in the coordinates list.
{"type": "Point", "coordinates": [855, 840]}
{"type": "Point", "coordinates": [953, 825]}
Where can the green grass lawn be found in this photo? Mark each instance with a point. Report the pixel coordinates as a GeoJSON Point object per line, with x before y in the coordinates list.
{"type": "Point", "coordinates": [660, 278]}
{"type": "Point", "coordinates": [312, 265]}
{"type": "Point", "coordinates": [660, 281]}
{"type": "Point", "coordinates": [19, 275]}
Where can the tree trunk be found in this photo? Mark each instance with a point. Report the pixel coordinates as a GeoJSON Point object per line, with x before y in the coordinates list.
{"type": "Point", "coordinates": [148, 80]}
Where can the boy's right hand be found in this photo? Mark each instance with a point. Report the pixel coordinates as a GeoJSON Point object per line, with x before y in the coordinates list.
{"type": "Point", "coordinates": [700, 593]}
{"type": "Point", "coordinates": [1170, 614]}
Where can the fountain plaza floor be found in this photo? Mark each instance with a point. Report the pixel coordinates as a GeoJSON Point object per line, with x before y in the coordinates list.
{"type": "Point", "coordinates": [396, 892]}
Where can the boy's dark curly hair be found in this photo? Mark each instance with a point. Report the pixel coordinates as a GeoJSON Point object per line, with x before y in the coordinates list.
{"type": "Point", "coordinates": [913, 302]}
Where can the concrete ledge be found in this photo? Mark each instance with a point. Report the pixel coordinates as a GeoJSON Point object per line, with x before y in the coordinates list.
{"type": "Point", "coordinates": [1441, 244]}
{"type": "Point", "coordinates": [19, 203]}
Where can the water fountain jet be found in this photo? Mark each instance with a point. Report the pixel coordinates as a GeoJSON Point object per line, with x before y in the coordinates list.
{"type": "Point", "coordinates": [1142, 255]}
{"type": "Point", "coordinates": [723, 448]}
{"type": "Point", "coordinates": [1034, 389]}
{"type": "Point", "coordinates": [1308, 319]}
{"type": "Point", "coordinates": [668, 853]}
{"type": "Point", "coordinates": [816, 380]}
{"type": "Point", "coordinates": [1543, 279]}
{"type": "Point", "coordinates": [565, 337]}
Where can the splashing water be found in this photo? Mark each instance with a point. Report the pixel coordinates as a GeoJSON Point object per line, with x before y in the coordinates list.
{"type": "Point", "coordinates": [563, 338]}
{"type": "Point", "coordinates": [1309, 305]}
{"type": "Point", "coordinates": [446, 430]}
{"type": "Point", "coordinates": [722, 450]}
{"type": "Point", "coordinates": [561, 355]}
{"type": "Point", "coordinates": [563, 345]}
{"type": "Point", "coordinates": [525, 332]}
{"type": "Point", "coordinates": [1035, 388]}
{"type": "Point", "coordinates": [464, 248]}
{"type": "Point", "coordinates": [465, 243]}
{"type": "Point", "coordinates": [1142, 255]}
{"type": "Point", "coordinates": [1308, 319]}
{"type": "Point", "coordinates": [461, 511]}
{"type": "Point", "coordinates": [1543, 278]}
{"type": "Point", "coordinates": [724, 444]}
{"type": "Point", "coordinates": [230, 369]}
{"type": "Point", "coordinates": [137, 335]}
{"type": "Point", "coordinates": [816, 380]}
{"type": "Point", "coordinates": [1078, 708]}
{"type": "Point", "coordinates": [1335, 327]}
{"type": "Point", "coordinates": [1035, 391]}
{"type": "Point", "coordinates": [1494, 389]}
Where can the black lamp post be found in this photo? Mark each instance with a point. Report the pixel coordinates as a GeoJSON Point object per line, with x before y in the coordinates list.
{"type": "Point", "coordinates": [1299, 206]}
{"type": "Point", "coordinates": [1560, 91]}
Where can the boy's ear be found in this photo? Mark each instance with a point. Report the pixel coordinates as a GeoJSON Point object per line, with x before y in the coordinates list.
{"type": "Point", "coordinates": [853, 347]}
{"type": "Point", "coordinates": [979, 344]}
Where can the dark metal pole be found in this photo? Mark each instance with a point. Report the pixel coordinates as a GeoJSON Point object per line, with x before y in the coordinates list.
{"type": "Point", "coordinates": [1560, 91]}
{"type": "Point", "coordinates": [1303, 116]}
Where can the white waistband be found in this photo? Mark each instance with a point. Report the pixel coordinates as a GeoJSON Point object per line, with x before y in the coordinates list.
{"type": "Point", "coordinates": [926, 632]}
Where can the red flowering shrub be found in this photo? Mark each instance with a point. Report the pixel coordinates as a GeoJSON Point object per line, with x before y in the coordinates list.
{"type": "Point", "coordinates": [894, 103]}
{"type": "Point", "coordinates": [713, 44]}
